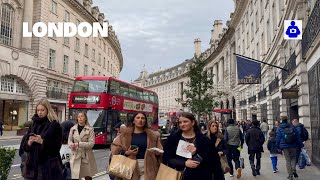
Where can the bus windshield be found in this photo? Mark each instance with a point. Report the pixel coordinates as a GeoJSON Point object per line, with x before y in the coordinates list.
{"type": "Point", "coordinates": [95, 117]}
{"type": "Point", "coordinates": [90, 86]}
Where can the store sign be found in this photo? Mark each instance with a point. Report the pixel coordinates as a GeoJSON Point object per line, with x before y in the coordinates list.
{"type": "Point", "coordinates": [86, 100]}
{"type": "Point", "coordinates": [289, 93]}
{"type": "Point", "coordinates": [137, 106]}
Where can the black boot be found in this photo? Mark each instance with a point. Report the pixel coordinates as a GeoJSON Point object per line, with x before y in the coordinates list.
{"type": "Point", "coordinates": [254, 173]}
{"type": "Point", "coordinates": [258, 171]}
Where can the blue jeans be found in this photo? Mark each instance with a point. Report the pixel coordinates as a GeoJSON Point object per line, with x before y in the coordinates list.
{"type": "Point", "coordinates": [274, 161]}
{"type": "Point", "coordinates": [233, 154]}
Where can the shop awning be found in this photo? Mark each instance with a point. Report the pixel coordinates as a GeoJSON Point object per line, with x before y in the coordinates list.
{"type": "Point", "coordinates": [225, 111]}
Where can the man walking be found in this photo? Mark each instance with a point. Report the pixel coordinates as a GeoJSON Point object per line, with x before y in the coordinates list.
{"type": "Point", "coordinates": [288, 140]}
{"type": "Point", "coordinates": [303, 133]}
{"type": "Point", "coordinates": [255, 139]}
{"type": "Point", "coordinates": [1, 128]}
{"type": "Point", "coordinates": [264, 128]}
{"type": "Point", "coordinates": [234, 138]}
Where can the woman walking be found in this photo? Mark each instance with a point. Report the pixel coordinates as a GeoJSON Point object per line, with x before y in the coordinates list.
{"type": "Point", "coordinates": [216, 138]}
{"type": "Point", "coordinates": [135, 142]}
{"type": "Point", "coordinates": [41, 146]}
{"type": "Point", "coordinates": [205, 161]}
{"type": "Point", "coordinates": [81, 141]}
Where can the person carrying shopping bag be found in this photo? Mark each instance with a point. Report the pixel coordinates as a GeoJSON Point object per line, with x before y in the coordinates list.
{"type": "Point", "coordinates": [81, 142]}
{"type": "Point", "coordinates": [138, 142]}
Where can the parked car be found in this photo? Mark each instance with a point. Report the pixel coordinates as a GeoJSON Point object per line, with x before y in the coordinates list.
{"type": "Point", "coordinates": [163, 126]}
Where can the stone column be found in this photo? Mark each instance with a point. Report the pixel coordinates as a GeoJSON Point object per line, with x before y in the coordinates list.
{"type": "Point", "coordinates": [27, 17]}
{"type": "Point", "coordinates": [283, 102]}
{"type": "Point", "coordinates": [215, 72]}
{"type": "Point", "coordinates": [269, 98]}
{"type": "Point", "coordinates": [220, 70]}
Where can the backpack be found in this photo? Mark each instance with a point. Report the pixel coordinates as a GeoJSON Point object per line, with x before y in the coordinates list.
{"type": "Point", "coordinates": [304, 134]}
{"type": "Point", "coordinates": [289, 135]}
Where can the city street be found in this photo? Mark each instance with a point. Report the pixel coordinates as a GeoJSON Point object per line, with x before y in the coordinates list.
{"type": "Point", "coordinates": [101, 156]}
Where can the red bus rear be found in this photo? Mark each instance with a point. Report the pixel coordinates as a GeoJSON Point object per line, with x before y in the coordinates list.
{"type": "Point", "coordinates": [110, 102]}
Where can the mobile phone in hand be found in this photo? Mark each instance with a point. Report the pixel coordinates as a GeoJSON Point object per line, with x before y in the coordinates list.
{"type": "Point", "coordinates": [197, 157]}
{"type": "Point", "coordinates": [133, 147]}
{"type": "Point", "coordinates": [32, 134]}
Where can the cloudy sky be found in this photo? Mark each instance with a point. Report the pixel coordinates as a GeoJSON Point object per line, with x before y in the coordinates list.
{"type": "Point", "coordinates": [160, 33]}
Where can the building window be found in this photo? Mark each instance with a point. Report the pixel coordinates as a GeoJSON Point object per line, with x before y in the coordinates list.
{"type": "Point", "coordinates": [66, 41]}
{"type": "Point", "coordinates": [77, 45]}
{"type": "Point", "coordinates": [93, 54]}
{"type": "Point", "coordinates": [65, 64]}
{"type": "Point", "coordinates": [86, 50]}
{"type": "Point", "coordinates": [99, 73]}
{"type": "Point", "coordinates": [7, 84]}
{"type": "Point", "coordinates": [99, 60]}
{"type": "Point", "coordinates": [108, 66]}
{"type": "Point", "coordinates": [6, 15]}
{"type": "Point", "coordinates": [54, 7]}
{"type": "Point", "coordinates": [93, 71]}
{"type": "Point", "coordinates": [109, 52]}
{"type": "Point", "coordinates": [76, 68]}
{"type": "Point", "coordinates": [104, 62]}
{"type": "Point", "coordinates": [66, 16]}
{"type": "Point", "coordinates": [104, 47]}
{"type": "Point", "coordinates": [78, 22]}
{"type": "Point", "coordinates": [111, 69]}
{"type": "Point", "coordinates": [86, 70]}
{"type": "Point", "coordinates": [52, 58]}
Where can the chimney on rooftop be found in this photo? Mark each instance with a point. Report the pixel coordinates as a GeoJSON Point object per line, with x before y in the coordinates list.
{"type": "Point", "coordinates": [217, 29]}
{"type": "Point", "coordinates": [197, 47]}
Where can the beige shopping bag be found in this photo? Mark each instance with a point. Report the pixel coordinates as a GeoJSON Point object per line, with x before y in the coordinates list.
{"type": "Point", "coordinates": [167, 173]}
{"type": "Point", "coordinates": [122, 166]}
{"type": "Point", "coordinates": [224, 164]}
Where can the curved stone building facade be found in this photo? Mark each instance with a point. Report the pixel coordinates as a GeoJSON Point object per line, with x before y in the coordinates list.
{"type": "Point", "coordinates": [256, 30]}
{"type": "Point", "coordinates": [34, 68]}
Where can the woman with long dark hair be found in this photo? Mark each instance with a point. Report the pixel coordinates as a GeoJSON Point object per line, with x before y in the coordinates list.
{"type": "Point", "coordinates": [135, 142]}
{"type": "Point", "coordinates": [204, 162]}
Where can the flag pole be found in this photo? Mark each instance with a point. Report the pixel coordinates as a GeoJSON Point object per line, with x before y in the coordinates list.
{"type": "Point", "coordinates": [260, 61]}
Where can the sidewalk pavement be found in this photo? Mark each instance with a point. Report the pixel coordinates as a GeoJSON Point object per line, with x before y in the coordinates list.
{"type": "Point", "coordinates": [7, 135]}
{"type": "Point", "coordinates": [309, 173]}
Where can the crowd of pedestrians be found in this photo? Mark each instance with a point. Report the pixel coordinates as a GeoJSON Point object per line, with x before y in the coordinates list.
{"type": "Point", "coordinates": [51, 150]}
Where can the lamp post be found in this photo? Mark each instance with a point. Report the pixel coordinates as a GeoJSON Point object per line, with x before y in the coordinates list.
{"type": "Point", "coordinates": [13, 113]}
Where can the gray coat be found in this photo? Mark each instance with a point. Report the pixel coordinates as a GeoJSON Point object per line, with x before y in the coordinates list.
{"type": "Point", "coordinates": [233, 135]}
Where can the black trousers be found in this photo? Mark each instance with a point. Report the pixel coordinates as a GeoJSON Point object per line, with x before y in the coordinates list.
{"type": "Point", "coordinates": [258, 162]}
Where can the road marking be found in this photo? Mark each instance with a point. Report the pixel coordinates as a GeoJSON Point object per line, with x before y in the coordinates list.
{"type": "Point", "coordinates": [15, 165]}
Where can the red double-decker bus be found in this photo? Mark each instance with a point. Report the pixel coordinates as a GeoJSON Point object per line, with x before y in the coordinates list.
{"type": "Point", "coordinates": [109, 102]}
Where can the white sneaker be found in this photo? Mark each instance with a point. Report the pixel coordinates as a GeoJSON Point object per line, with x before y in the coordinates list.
{"type": "Point", "coordinates": [231, 175]}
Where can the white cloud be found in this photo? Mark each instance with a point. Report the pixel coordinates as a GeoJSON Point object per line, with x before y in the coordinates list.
{"type": "Point", "coordinates": [160, 33]}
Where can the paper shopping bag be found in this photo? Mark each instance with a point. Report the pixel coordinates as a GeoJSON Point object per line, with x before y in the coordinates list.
{"type": "Point", "coordinates": [167, 173]}
{"type": "Point", "coordinates": [224, 164]}
{"type": "Point", "coordinates": [122, 166]}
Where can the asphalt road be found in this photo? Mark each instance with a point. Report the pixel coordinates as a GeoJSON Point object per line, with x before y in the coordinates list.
{"type": "Point", "coordinates": [101, 155]}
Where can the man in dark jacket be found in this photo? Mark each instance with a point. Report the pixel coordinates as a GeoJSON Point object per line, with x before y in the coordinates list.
{"type": "Point", "coordinates": [255, 140]}
{"type": "Point", "coordinates": [299, 128]}
{"type": "Point", "coordinates": [1, 127]}
{"type": "Point", "coordinates": [288, 140]}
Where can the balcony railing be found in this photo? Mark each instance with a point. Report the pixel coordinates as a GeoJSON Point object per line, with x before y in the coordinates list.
{"type": "Point", "coordinates": [274, 85]}
{"type": "Point", "coordinates": [252, 99]}
{"type": "Point", "coordinates": [243, 102]}
{"type": "Point", "coordinates": [262, 94]}
{"type": "Point", "coordinates": [312, 29]}
{"type": "Point", "coordinates": [57, 95]}
{"type": "Point", "coordinates": [290, 66]}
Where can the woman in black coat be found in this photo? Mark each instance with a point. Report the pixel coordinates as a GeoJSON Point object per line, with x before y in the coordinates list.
{"type": "Point", "coordinates": [205, 161]}
{"type": "Point", "coordinates": [41, 146]}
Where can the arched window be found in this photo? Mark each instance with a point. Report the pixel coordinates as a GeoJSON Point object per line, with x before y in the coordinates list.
{"type": "Point", "coordinates": [6, 24]}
